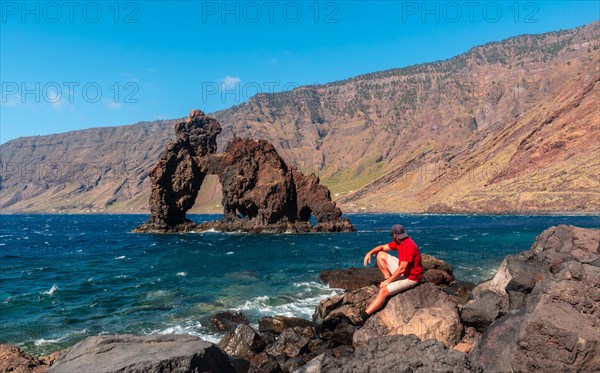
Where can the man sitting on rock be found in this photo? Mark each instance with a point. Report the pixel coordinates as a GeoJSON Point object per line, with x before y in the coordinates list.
{"type": "Point", "coordinates": [400, 273]}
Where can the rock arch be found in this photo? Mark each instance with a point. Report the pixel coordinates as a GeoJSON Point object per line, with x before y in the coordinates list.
{"type": "Point", "coordinates": [261, 193]}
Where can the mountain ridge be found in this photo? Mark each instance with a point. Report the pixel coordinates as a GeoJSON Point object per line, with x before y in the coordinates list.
{"type": "Point", "coordinates": [369, 137]}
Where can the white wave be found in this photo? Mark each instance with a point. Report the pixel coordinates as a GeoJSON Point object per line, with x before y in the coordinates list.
{"type": "Point", "coordinates": [190, 327]}
{"type": "Point", "coordinates": [120, 257]}
{"type": "Point", "coordinates": [181, 274]}
{"type": "Point", "coordinates": [52, 290]}
{"type": "Point", "coordinates": [307, 298]}
{"type": "Point", "coordinates": [312, 284]}
{"type": "Point", "coordinates": [43, 341]}
{"type": "Point", "coordinates": [229, 253]}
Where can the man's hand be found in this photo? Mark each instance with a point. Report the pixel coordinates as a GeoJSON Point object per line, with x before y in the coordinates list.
{"type": "Point", "coordinates": [383, 284]}
{"type": "Point", "coordinates": [367, 259]}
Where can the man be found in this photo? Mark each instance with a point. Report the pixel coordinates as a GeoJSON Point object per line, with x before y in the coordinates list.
{"type": "Point", "coordinates": [400, 273]}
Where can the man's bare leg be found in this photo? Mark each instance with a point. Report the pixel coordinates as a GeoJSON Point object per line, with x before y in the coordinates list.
{"type": "Point", "coordinates": [378, 301]}
{"type": "Point", "coordinates": [381, 263]}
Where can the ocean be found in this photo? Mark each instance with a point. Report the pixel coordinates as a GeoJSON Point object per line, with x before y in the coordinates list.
{"type": "Point", "coordinates": [65, 277]}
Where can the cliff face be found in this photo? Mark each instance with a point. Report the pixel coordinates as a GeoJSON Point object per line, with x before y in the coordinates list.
{"type": "Point", "coordinates": [508, 126]}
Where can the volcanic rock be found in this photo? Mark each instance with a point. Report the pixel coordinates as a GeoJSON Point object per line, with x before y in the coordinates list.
{"type": "Point", "coordinates": [179, 174]}
{"type": "Point", "coordinates": [519, 274]}
{"type": "Point", "coordinates": [437, 276]}
{"type": "Point", "coordinates": [290, 343]}
{"type": "Point", "coordinates": [425, 311]}
{"type": "Point", "coordinates": [312, 197]}
{"type": "Point", "coordinates": [481, 312]}
{"type": "Point", "coordinates": [277, 324]}
{"type": "Point", "coordinates": [13, 360]}
{"type": "Point", "coordinates": [264, 363]}
{"type": "Point", "coordinates": [227, 320]}
{"type": "Point", "coordinates": [142, 354]}
{"type": "Point", "coordinates": [336, 318]}
{"type": "Point", "coordinates": [351, 279]}
{"type": "Point", "coordinates": [261, 193]}
{"type": "Point", "coordinates": [242, 341]}
{"type": "Point", "coordinates": [398, 353]}
{"type": "Point", "coordinates": [556, 328]}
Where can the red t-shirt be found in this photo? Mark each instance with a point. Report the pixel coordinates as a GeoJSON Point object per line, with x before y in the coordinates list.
{"type": "Point", "coordinates": [408, 251]}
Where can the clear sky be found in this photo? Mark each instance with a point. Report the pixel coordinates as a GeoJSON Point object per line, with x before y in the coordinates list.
{"type": "Point", "coordinates": [70, 65]}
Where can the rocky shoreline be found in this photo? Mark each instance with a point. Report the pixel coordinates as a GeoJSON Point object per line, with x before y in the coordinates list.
{"type": "Point", "coordinates": [540, 312]}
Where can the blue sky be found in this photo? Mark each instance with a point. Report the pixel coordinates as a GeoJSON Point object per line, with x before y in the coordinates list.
{"type": "Point", "coordinates": [67, 66]}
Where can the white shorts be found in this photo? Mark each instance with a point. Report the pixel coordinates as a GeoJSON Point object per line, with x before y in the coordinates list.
{"type": "Point", "coordinates": [402, 283]}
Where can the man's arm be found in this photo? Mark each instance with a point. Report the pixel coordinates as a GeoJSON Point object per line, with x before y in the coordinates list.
{"type": "Point", "coordinates": [399, 272]}
{"type": "Point", "coordinates": [377, 249]}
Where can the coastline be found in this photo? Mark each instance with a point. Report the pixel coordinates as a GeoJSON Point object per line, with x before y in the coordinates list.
{"type": "Point", "coordinates": [467, 334]}
{"type": "Point", "coordinates": [382, 212]}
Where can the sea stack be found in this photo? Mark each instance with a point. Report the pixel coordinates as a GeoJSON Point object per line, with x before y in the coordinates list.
{"type": "Point", "coordinates": [261, 193]}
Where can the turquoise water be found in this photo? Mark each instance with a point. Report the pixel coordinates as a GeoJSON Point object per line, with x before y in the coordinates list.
{"type": "Point", "coordinates": [65, 277]}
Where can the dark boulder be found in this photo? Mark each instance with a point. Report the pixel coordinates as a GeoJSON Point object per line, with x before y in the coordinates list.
{"type": "Point", "coordinates": [277, 324]}
{"type": "Point", "coordinates": [264, 363]}
{"type": "Point", "coordinates": [556, 327]}
{"type": "Point", "coordinates": [352, 278]}
{"type": "Point", "coordinates": [438, 277]}
{"type": "Point", "coordinates": [290, 343]}
{"type": "Point", "coordinates": [336, 318]}
{"type": "Point", "coordinates": [557, 330]}
{"type": "Point", "coordinates": [460, 291]}
{"type": "Point", "coordinates": [292, 364]}
{"type": "Point", "coordinates": [13, 360]}
{"type": "Point", "coordinates": [481, 312]}
{"type": "Point", "coordinates": [399, 353]}
{"type": "Point", "coordinates": [240, 364]}
{"type": "Point", "coordinates": [470, 338]}
{"type": "Point", "coordinates": [242, 341]}
{"type": "Point", "coordinates": [227, 320]}
{"type": "Point", "coordinates": [551, 249]}
{"type": "Point", "coordinates": [142, 354]}
{"type": "Point", "coordinates": [429, 262]}
{"type": "Point", "coordinates": [425, 311]}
